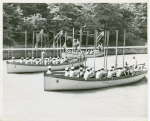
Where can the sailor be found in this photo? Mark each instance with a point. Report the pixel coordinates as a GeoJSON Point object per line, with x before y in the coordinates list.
{"type": "Point", "coordinates": [13, 59]}
{"type": "Point", "coordinates": [87, 74]}
{"type": "Point", "coordinates": [110, 74]}
{"type": "Point", "coordinates": [58, 60]}
{"type": "Point", "coordinates": [61, 60]}
{"type": "Point", "coordinates": [46, 61]}
{"type": "Point", "coordinates": [43, 55]}
{"type": "Point", "coordinates": [54, 61]}
{"type": "Point", "coordinates": [134, 63]}
{"type": "Point", "coordinates": [99, 74]}
{"type": "Point", "coordinates": [67, 71]}
{"type": "Point", "coordinates": [80, 73]}
{"type": "Point", "coordinates": [37, 61]}
{"type": "Point", "coordinates": [50, 60]}
{"type": "Point", "coordinates": [49, 70]}
{"type": "Point", "coordinates": [41, 61]}
{"type": "Point", "coordinates": [32, 61]}
{"type": "Point", "coordinates": [119, 72]}
{"type": "Point", "coordinates": [64, 46]}
{"type": "Point", "coordinates": [21, 61]}
{"type": "Point", "coordinates": [91, 72]}
{"type": "Point", "coordinates": [72, 72]}
{"type": "Point", "coordinates": [27, 61]}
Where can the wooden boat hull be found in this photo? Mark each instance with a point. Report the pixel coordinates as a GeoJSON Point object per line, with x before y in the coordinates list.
{"type": "Point", "coordinates": [69, 55]}
{"type": "Point", "coordinates": [23, 68]}
{"type": "Point", "coordinates": [54, 83]}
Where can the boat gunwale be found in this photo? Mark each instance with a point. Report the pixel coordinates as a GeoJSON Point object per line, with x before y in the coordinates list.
{"type": "Point", "coordinates": [92, 79]}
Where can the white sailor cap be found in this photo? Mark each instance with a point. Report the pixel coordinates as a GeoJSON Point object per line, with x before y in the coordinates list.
{"type": "Point", "coordinates": [13, 57]}
{"type": "Point", "coordinates": [50, 57]}
{"type": "Point", "coordinates": [81, 68]}
{"type": "Point", "coordinates": [66, 68]}
{"type": "Point", "coordinates": [49, 67]}
{"type": "Point", "coordinates": [72, 68]}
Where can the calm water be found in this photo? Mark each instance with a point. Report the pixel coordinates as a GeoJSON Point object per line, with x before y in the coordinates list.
{"type": "Point", "coordinates": [24, 98]}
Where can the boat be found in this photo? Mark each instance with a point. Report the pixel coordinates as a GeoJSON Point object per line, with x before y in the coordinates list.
{"type": "Point", "coordinates": [58, 82]}
{"type": "Point", "coordinates": [16, 67]}
{"type": "Point", "coordinates": [69, 55]}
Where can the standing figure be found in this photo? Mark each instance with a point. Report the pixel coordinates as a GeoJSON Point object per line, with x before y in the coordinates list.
{"type": "Point", "coordinates": [43, 55]}
{"type": "Point", "coordinates": [99, 47]}
{"type": "Point", "coordinates": [64, 46]}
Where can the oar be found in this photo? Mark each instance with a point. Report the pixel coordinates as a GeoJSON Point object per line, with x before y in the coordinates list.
{"type": "Point", "coordinates": [65, 43]}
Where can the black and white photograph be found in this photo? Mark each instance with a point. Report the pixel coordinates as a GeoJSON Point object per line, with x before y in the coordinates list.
{"type": "Point", "coordinates": [72, 61]}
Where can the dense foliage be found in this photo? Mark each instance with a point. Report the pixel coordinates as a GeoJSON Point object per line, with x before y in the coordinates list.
{"type": "Point", "coordinates": [21, 17]}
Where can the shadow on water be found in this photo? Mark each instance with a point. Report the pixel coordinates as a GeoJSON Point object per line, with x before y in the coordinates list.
{"type": "Point", "coordinates": [139, 83]}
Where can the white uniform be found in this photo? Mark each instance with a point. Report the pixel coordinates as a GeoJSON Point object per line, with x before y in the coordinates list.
{"type": "Point", "coordinates": [21, 61]}
{"type": "Point", "coordinates": [119, 72]}
{"type": "Point", "coordinates": [61, 61]}
{"type": "Point", "coordinates": [86, 75]}
{"type": "Point", "coordinates": [99, 74]}
{"type": "Point", "coordinates": [67, 73]}
{"type": "Point", "coordinates": [27, 62]}
{"type": "Point", "coordinates": [110, 74]}
{"type": "Point", "coordinates": [37, 62]}
{"type": "Point", "coordinates": [53, 62]}
{"type": "Point", "coordinates": [80, 74]}
{"type": "Point", "coordinates": [72, 73]}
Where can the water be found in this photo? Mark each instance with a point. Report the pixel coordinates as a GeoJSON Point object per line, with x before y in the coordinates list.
{"type": "Point", "coordinates": [24, 98]}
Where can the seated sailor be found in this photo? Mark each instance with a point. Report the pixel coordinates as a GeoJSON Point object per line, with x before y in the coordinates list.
{"type": "Point", "coordinates": [13, 59]}
{"type": "Point", "coordinates": [91, 72]}
{"type": "Point", "coordinates": [37, 61]}
{"type": "Point", "coordinates": [49, 70]}
{"type": "Point", "coordinates": [57, 60]}
{"type": "Point", "coordinates": [80, 73]}
{"type": "Point", "coordinates": [40, 61]}
{"type": "Point", "coordinates": [87, 74]}
{"type": "Point", "coordinates": [32, 61]}
{"type": "Point", "coordinates": [27, 61]}
{"type": "Point", "coordinates": [22, 60]}
{"type": "Point", "coordinates": [119, 72]}
{"type": "Point", "coordinates": [72, 72]}
{"type": "Point", "coordinates": [110, 74]}
{"type": "Point", "coordinates": [50, 60]}
{"type": "Point", "coordinates": [99, 74]}
{"type": "Point", "coordinates": [67, 71]}
{"type": "Point", "coordinates": [62, 61]}
{"type": "Point", "coordinates": [54, 61]}
{"type": "Point", "coordinates": [45, 61]}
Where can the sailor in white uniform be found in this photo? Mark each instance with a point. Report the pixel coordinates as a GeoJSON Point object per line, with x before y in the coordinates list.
{"type": "Point", "coordinates": [50, 60]}
{"type": "Point", "coordinates": [110, 74]}
{"type": "Point", "coordinates": [32, 61]}
{"type": "Point", "coordinates": [67, 71]}
{"type": "Point", "coordinates": [134, 63]}
{"type": "Point", "coordinates": [62, 61]}
{"type": "Point", "coordinates": [72, 72]}
{"type": "Point", "coordinates": [13, 59]}
{"type": "Point", "coordinates": [22, 60]}
{"type": "Point", "coordinates": [99, 74]}
{"type": "Point", "coordinates": [27, 61]}
{"type": "Point", "coordinates": [54, 61]}
{"type": "Point", "coordinates": [43, 55]}
{"type": "Point", "coordinates": [80, 73]}
{"type": "Point", "coordinates": [37, 61]}
{"type": "Point", "coordinates": [119, 72]}
{"type": "Point", "coordinates": [87, 74]}
{"type": "Point", "coordinates": [49, 70]}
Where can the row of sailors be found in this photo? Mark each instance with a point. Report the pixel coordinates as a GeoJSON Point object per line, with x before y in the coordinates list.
{"type": "Point", "coordinates": [89, 73]}
{"type": "Point", "coordinates": [40, 61]}
{"type": "Point", "coordinates": [84, 52]}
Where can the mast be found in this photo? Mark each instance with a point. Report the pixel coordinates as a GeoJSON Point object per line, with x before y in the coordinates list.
{"type": "Point", "coordinates": [107, 47]}
{"type": "Point", "coordinates": [25, 43]}
{"type": "Point", "coordinates": [87, 38]}
{"type": "Point", "coordinates": [124, 45]}
{"type": "Point", "coordinates": [41, 40]}
{"type": "Point", "coordinates": [80, 44]}
{"type": "Point", "coordinates": [72, 46]}
{"type": "Point", "coordinates": [95, 40]}
{"type": "Point", "coordinates": [104, 46]}
{"type": "Point", "coordinates": [57, 46]}
{"type": "Point", "coordinates": [36, 44]}
{"type": "Point", "coordinates": [33, 44]}
{"type": "Point", "coordinates": [116, 48]}
{"type": "Point", "coordinates": [60, 45]}
{"type": "Point", "coordinates": [54, 46]}
{"type": "Point", "coordinates": [65, 42]}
